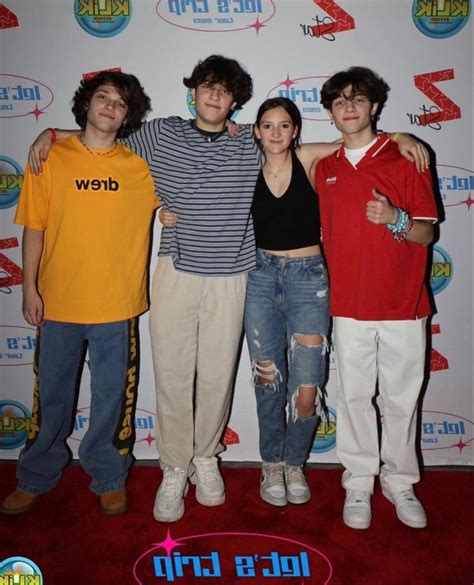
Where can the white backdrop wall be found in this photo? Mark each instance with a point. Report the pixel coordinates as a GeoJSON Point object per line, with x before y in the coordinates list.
{"type": "Point", "coordinates": [289, 47]}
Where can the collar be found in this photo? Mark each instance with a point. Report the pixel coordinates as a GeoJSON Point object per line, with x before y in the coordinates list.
{"type": "Point", "coordinates": [209, 136]}
{"type": "Point", "coordinates": [380, 143]}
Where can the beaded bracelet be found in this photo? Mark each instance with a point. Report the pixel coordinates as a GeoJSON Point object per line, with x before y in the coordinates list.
{"type": "Point", "coordinates": [402, 226]}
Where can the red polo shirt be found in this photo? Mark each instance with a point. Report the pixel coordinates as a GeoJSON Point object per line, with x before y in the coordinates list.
{"type": "Point", "coordinates": [373, 277]}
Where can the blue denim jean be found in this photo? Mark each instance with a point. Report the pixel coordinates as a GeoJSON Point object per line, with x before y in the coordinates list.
{"type": "Point", "coordinates": [105, 450]}
{"type": "Point", "coordinates": [286, 297]}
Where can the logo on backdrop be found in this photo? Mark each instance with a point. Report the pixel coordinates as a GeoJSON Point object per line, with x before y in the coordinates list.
{"type": "Point", "coordinates": [456, 185]}
{"type": "Point", "coordinates": [11, 180]}
{"type": "Point", "coordinates": [441, 270]}
{"type": "Point", "coordinates": [92, 74]}
{"type": "Point", "coordinates": [22, 96]}
{"type": "Point", "coordinates": [444, 430]}
{"type": "Point", "coordinates": [440, 19]}
{"type": "Point", "coordinates": [144, 427]}
{"type": "Point", "coordinates": [438, 361]}
{"type": "Point", "coordinates": [232, 556]}
{"type": "Point", "coordinates": [14, 424]}
{"type": "Point", "coordinates": [21, 571]}
{"type": "Point", "coordinates": [10, 273]}
{"type": "Point", "coordinates": [7, 18]}
{"type": "Point", "coordinates": [217, 15]}
{"type": "Point", "coordinates": [443, 110]}
{"type": "Point", "coordinates": [103, 18]}
{"type": "Point", "coordinates": [325, 438]}
{"type": "Point", "coordinates": [326, 27]}
{"type": "Point", "coordinates": [305, 93]}
{"type": "Point", "coordinates": [17, 345]}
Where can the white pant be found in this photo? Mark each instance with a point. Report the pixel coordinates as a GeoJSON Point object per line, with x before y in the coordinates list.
{"type": "Point", "coordinates": [392, 352]}
{"type": "Point", "coordinates": [195, 330]}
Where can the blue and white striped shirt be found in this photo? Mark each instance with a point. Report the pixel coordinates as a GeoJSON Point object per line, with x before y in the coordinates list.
{"type": "Point", "coordinates": [210, 185]}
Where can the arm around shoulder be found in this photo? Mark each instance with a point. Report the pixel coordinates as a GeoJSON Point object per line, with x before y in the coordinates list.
{"type": "Point", "coordinates": [40, 148]}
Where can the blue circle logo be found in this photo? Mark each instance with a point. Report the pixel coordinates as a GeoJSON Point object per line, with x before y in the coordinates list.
{"type": "Point", "coordinates": [441, 270]}
{"type": "Point", "coordinates": [14, 424]}
{"type": "Point", "coordinates": [103, 18]}
{"type": "Point", "coordinates": [20, 570]}
{"type": "Point", "coordinates": [442, 19]}
{"type": "Point", "coordinates": [325, 438]}
{"type": "Point", "coordinates": [11, 180]}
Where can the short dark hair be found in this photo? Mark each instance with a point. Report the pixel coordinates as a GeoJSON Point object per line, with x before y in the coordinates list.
{"type": "Point", "coordinates": [364, 82]}
{"type": "Point", "coordinates": [228, 72]}
{"type": "Point", "coordinates": [130, 91]}
{"type": "Point", "coordinates": [291, 109]}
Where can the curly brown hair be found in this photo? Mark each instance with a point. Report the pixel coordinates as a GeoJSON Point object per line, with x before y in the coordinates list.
{"type": "Point", "coordinates": [229, 72]}
{"type": "Point", "coordinates": [363, 81]}
{"type": "Point", "coordinates": [130, 91]}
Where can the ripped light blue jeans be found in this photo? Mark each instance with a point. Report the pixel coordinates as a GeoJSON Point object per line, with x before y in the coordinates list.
{"type": "Point", "coordinates": [286, 298]}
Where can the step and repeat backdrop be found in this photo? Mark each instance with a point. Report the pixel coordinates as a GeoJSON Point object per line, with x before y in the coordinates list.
{"type": "Point", "coordinates": [423, 49]}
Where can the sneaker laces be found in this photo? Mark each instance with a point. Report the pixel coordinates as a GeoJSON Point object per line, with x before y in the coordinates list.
{"type": "Point", "coordinates": [172, 482]}
{"type": "Point", "coordinates": [407, 496]}
{"type": "Point", "coordinates": [273, 473]}
{"type": "Point", "coordinates": [294, 473]}
{"type": "Point", "coordinates": [358, 497]}
{"type": "Point", "coordinates": [207, 470]}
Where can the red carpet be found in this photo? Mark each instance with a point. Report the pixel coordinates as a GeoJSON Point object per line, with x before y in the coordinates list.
{"type": "Point", "coordinates": [72, 542]}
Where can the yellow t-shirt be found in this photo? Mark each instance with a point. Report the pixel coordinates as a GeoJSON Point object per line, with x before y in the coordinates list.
{"type": "Point", "coordinates": [96, 208]}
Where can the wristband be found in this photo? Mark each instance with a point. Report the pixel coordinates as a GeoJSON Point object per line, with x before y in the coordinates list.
{"type": "Point", "coordinates": [394, 136]}
{"type": "Point", "coordinates": [54, 134]}
{"type": "Point", "coordinates": [402, 225]}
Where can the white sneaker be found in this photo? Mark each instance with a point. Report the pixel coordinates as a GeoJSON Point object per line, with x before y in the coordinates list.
{"type": "Point", "coordinates": [357, 513]}
{"type": "Point", "coordinates": [297, 488]}
{"type": "Point", "coordinates": [272, 486]}
{"type": "Point", "coordinates": [407, 505]}
{"type": "Point", "coordinates": [169, 504]}
{"type": "Point", "coordinates": [210, 490]}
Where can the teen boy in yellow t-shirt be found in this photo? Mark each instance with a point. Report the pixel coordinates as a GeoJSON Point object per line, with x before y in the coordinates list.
{"type": "Point", "coordinates": [87, 221]}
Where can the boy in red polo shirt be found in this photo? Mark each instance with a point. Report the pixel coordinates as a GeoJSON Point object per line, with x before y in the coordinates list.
{"type": "Point", "coordinates": [377, 217]}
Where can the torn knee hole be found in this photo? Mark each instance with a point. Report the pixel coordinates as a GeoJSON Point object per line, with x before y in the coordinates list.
{"type": "Point", "coordinates": [308, 340]}
{"type": "Point", "coordinates": [305, 400]}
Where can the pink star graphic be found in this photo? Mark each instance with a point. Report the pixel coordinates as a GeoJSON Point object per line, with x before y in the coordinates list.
{"type": "Point", "coordinates": [469, 201]}
{"type": "Point", "coordinates": [460, 445]}
{"type": "Point", "coordinates": [36, 112]}
{"type": "Point", "coordinates": [288, 82]}
{"type": "Point", "coordinates": [169, 543]}
{"type": "Point", "coordinates": [257, 25]}
{"type": "Point", "coordinates": [149, 439]}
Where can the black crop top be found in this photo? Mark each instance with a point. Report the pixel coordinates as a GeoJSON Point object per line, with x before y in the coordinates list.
{"type": "Point", "coordinates": [288, 222]}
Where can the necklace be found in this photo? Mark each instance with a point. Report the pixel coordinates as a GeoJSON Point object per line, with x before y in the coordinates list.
{"type": "Point", "coordinates": [276, 172]}
{"type": "Point", "coordinates": [209, 136]}
{"type": "Point", "coordinates": [95, 152]}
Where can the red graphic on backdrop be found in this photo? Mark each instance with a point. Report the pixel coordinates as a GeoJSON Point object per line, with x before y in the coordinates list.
{"type": "Point", "coordinates": [446, 108]}
{"type": "Point", "coordinates": [7, 18]}
{"type": "Point", "coordinates": [231, 437]}
{"type": "Point", "coordinates": [91, 74]}
{"type": "Point", "coordinates": [339, 20]}
{"type": "Point", "coordinates": [437, 360]}
{"type": "Point", "coordinates": [14, 272]}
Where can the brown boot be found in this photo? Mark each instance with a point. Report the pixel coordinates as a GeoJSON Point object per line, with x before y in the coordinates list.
{"type": "Point", "coordinates": [18, 502]}
{"type": "Point", "coordinates": [113, 502]}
